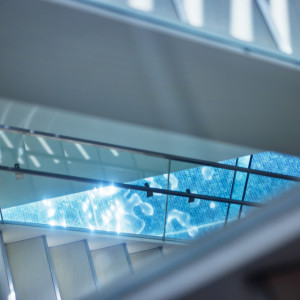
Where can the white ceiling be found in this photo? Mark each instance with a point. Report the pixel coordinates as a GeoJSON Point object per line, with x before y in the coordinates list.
{"type": "Point", "coordinates": [106, 67]}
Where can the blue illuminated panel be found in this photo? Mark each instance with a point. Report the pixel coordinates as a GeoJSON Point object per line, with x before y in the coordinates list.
{"type": "Point", "coordinates": [106, 209]}
{"type": "Point", "coordinates": [190, 220]}
{"type": "Point", "coordinates": [276, 163]}
{"type": "Point", "coordinates": [261, 188]}
{"type": "Point", "coordinates": [116, 210]}
{"type": "Point", "coordinates": [203, 180]}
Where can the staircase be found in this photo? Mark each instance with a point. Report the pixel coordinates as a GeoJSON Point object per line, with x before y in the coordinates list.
{"type": "Point", "coordinates": [32, 268]}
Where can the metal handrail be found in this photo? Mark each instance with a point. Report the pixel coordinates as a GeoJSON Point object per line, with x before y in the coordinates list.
{"type": "Point", "coordinates": [127, 186]}
{"type": "Point", "coordinates": [148, 189]}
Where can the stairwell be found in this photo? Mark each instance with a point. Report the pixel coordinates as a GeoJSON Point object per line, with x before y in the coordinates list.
{"type": "Point", "coordinates": [32, 268]}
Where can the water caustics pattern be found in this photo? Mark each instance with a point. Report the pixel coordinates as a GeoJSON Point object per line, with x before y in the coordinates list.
{"type": "Point", "coordinates": [117, 210]}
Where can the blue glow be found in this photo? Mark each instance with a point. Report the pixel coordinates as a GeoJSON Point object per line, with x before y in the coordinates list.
{"type": "Point", "coordinates": [276, 163]}
{"type": "Point", "coordinates": [189, 220]}
{"type": "Point", "coordinates": [117, 210]}
{"type": "Point", "coordinates": [204, 180]}
{"type": "Point", "coordinates": [261, 189]}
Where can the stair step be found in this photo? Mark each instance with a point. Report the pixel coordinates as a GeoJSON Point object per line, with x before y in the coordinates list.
{"type": "Point", "coordinates": [75, 271]}
{"type": "Point", "coordinates": [31, 269]}
{"type": "Point", "coordinates": [146, 257]}
{"type": "Point", "coordinates": [111, 263]}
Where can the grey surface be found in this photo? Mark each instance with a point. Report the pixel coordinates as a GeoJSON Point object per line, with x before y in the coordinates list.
{"type": "Point", "coordinates": [90, 63]}
{"type": "Point", "coordinates": [73, 271]}
{"type": "Point", "coordinates": [145, 258]}
{"type": "Point", "coordinates": [6, 287]}
{"type": "Point", "coordinates": [111, 264]}
{"type": "Point", "coordinates": [30, 270]}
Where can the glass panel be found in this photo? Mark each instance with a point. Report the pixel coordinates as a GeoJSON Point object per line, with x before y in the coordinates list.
{"type": "Point", "coordinates": [233, 214]}
{"type": "Point", "coordinates": [239, 185]}
{"type": "Point", "coordinates": [11, 149]}
{"type": "Point", "coordinates": [75, 159]}
{"type": "Point", "coordinates": [43, 154]}
{"type": "Point", "coordinates": [230, 162]}
{"type": "Point", "coordinates": [261, 189]}
{"type": "Point", "coordinates": [55, 202]}
{"type": "Point", "coordinates": [202, 180]}
{"type": "Point", "coordinates": [190, 220]}
{"type": "Point", "coordinates": [243, 161]}
{"type": "Point", "coordinates": [276, 163]}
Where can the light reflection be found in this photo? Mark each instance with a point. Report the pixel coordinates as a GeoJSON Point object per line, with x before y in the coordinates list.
{"type": "Point", "coordinates": [20, 154]}
{"type": "Point", "coordinates": [207, 173]}
{"type": "Point", "coordinates": [52, 223]}
{"type": "Point", "coordinates": [173, 181]}
{"type": "Point", "coordinates": [21, 161]}
{"type": "Point", "coordinates": [12, 296]}
{"type": "Point", "coordinates": [84, 207]}
{"type": "Point", "coordinates": [114, 152]}
{"type": "Point", "coordinates": [153, 184]}
{"type": "Point", "coordinates": [212, 205]}
{"type": "Point", "coordinates": [194, 12]}
{"type": "Point", "coordinates": [45, 145]}
{"type": "Point", "coordinates": [20, 151]}
{"type": "Point", "coordinates": [35, 161]}
{"type": "Point", "coordinates": [280, 14]}
{"type": "Point", "coordinates": [202, 226]}
{"type": "Point", "coordinates": [183, 219]}
{"type": "Point", "coordinates": [144, 5]}
{"type": "Point", "coordinates": [107, 190]}
{"type": "Point", "coordinates": [82, 151]}
{"type": "Point", "coordinates": [6, 140]}
{"type": "Point", "coordinates": [46, 202]}
{"type": "Point", "coordinates": [51, 212]}
{"type": "Point", "coordinates": [241, 23]}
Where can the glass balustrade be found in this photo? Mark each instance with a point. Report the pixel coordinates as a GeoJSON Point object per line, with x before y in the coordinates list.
{"type": "Point", "coordinates": [64, 182]}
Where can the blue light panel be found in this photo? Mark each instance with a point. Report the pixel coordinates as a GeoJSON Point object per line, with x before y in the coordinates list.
{"type": "Point", "coordinates": [112, 209]}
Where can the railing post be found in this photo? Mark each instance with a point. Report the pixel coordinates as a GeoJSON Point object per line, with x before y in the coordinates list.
{"type": "Point", "coordinates": [167, 196]}
{"type": "Point", "coordinates": [245, 187]}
